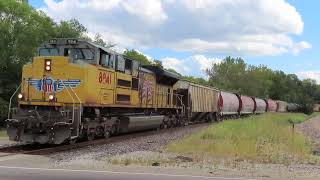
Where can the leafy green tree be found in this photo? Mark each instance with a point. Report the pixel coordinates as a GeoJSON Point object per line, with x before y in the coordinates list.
{"type": "Point", "coordinates": [157, 63]}
{"type": "Point", "coordinates": [142, 59]}
{"type": "Point", "coordinates": [22, 30]}
{"type": "Point", "coordinates": [228, 75]}
{"type": "Point", "coordinates": [98, 40]}
{"type": "Point", "coordinates": [69, 29]}
{"type": "Point", "coordinates": [174, 71]}
{"type": "Point", "coordinates": [196, 80]}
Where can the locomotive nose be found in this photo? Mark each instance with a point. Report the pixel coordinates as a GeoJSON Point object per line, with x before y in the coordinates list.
{"type": "Point", "coordinates": [50, 80]}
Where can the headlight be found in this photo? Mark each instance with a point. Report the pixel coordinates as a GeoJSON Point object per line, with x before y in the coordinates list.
{"type": "Point", "coordinates": [72, 41]}
{"type": "Point", "coordinates": [48, 68]}
{"type": "Point", "coordinates": [51, 97]}
{"type": "Point", "coordinates": [20, 96]}
{"type": "Point", "coordinates": [47, 64]}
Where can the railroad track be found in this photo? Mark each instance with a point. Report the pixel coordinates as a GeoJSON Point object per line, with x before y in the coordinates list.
{"type": "Point", "coordinates": [33, 149]}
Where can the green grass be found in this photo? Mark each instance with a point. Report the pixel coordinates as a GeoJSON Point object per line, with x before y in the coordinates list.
{"type": "Point", "coordinates": [3, 133]}
{"type": "Point", "coordinates": [263, 138]}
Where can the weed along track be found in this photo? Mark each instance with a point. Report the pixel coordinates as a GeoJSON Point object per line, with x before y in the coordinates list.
{"type": "Point", "coordinates": [46, 149]}
{"type": "Point", "coordinates": [263, 139]}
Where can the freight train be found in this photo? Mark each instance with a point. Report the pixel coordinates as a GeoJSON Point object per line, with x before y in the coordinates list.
{"type": "Point", "coordinates": [75, 89]}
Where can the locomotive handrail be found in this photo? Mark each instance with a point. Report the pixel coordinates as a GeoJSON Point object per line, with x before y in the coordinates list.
{"type": "Point", "coordinates": [80, 104]}
{"type": "Point", "coordinates": [80, 107]}
{"type": "Point", "coordinates": [73, 104]}
{"type": "Point", "coordinates": [183, 106]}
{"type": "Point", "coordinates": [10, 102]}
{"type": "Point", "coordinates": [178, 96]}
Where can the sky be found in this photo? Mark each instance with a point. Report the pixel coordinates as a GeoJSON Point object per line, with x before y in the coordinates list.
{"type": "Point", "coordinates": [190, 35]}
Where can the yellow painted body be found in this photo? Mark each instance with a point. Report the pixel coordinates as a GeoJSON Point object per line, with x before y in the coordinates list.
{"type": "Point", "coordinates": [99, 86]}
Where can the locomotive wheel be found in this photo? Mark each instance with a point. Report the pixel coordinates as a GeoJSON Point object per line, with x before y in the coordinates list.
{"type": "Point", "coordinates": [169, 124]}
{"type": "Point", "coordinates": [90, 136]}
{"type": "Point", "coordinates": [107, 134]}
{"type": "Point", "coordinates": [218, 118]}
{"type": "Point", "coordinates": [113, 130]}
{"type": "Point", "coordinates": [162, 125]}
{"type": "Point", "coordinates": [72, 141]}
{"type": "Point", "coordinates": [165, 126]}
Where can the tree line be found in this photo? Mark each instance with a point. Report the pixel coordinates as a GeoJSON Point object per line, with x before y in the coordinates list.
{"type": "Point", "coordinates": [22, 30]}
{"type": "Point", "coordinates": [234, 75]}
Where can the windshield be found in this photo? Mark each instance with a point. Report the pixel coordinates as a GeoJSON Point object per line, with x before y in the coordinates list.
{"type": "Point", "coordinates": [86, 54]}
{"type": "Point", "coordinates": [49, 52]}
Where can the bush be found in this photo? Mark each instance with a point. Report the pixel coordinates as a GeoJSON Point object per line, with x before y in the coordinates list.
{"type": "Point", "coordinates": [3, 111]}
{"type": "Point", "coordinates": [263, 138]}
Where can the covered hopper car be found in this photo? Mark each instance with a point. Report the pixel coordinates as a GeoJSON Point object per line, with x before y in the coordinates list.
{"type": "Point", "coordinates": [261, 106]}
{"type": "Point", "coordinates": [282, 106]}
{"type": "Point", "coordinates": [229, 104]}
{"type": "Point", "coordinates": [248, 105]}
{"type": "Point", "coordinates": [316, 107]}
{"type": "Point", "coordinates": [271, 105]}
{"type": "Point", "coordinates": [200, 100]}
{"type": "Point", "coordinates": [293, 107]}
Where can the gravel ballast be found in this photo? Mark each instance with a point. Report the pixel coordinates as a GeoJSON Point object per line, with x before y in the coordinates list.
{"type": "Point", "coordinates": [153, 142]}
{"type": "Point", "coordinates": [311, 129]}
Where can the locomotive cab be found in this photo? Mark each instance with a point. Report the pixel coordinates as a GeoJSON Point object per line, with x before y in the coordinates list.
{"type": "Point", "coordinates": [76, 51]}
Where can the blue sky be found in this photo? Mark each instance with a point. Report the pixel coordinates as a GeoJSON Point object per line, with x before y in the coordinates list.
{"type": "Point", "coordinates": [188, 37]}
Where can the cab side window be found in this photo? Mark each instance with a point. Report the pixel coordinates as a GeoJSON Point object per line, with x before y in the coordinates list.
{"type": "Point", "coordinates": [104, 59]}
{"type": "Point", "coordinates": [112, 61]}
{"type": "Point", "coordinates": [128, 66]}
{"type": "Point", "coordinates": [120, 64]}
{"type": "Point", "coordinates": [135, 68]}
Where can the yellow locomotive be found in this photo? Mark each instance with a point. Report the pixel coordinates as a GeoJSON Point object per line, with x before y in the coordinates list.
{"type": "Point", "coordinates": [77, 89]}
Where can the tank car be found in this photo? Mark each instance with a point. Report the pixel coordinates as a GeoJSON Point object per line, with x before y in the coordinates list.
{"type": "Point", "coordinates": [248, 105]}
{"type": "Point", "coordinates": [229, 104]}
{"type": "Point", "coordinates": [77, 89]}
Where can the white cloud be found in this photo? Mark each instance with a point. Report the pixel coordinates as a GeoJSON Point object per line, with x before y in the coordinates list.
{"type": "Point", "coordinates": [150, 10]}
{"type": "Point", "coordinates": [176, 64]}
{"type": "Point", "coordinates": [194, 65]}
{"type": "Point", "coordinates": [300, 46]}
{"type": "Point", "coordinates": [246, 27]}
{"type": "Point", "coordinates": [309, 75]}
{"type": "Point", "coordinates": [204, 62]}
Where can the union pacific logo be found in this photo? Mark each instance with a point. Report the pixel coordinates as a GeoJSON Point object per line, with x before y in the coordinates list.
{"type": "Point", "coordinates": [49, 85]}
